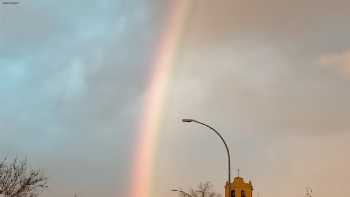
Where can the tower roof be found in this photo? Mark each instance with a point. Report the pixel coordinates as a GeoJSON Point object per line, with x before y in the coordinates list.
{"type": "Point", "coordinates": [238, 182]}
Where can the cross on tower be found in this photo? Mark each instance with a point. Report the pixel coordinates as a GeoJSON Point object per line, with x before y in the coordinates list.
{"type": "Point", "coordinates": [308, 192]}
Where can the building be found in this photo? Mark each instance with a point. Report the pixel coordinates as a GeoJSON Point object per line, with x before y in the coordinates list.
{"type": "Point", "coordinates": [239, 188]}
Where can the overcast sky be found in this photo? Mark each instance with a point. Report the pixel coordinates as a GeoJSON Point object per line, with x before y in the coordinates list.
{"type": "Point", "coordinates": [273, 76]}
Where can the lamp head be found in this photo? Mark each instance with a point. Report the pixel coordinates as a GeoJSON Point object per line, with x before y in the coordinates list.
{"type": "Point", "coordinates": [187, 120]}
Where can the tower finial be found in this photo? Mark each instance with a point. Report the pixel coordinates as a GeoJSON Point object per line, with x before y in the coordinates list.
{"type": "Point", "coordinates": [238, 172]}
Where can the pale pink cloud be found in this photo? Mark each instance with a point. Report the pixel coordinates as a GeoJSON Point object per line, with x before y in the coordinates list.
{"type": "Point", "coordinates": [338, 60]}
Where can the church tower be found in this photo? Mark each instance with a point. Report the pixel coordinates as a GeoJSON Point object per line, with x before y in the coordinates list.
{"type": "Point", "coordinates": [239, 188]}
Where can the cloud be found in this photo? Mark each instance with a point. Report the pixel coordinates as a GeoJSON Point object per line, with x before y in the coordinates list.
{"type": "Point", "coordinates": [341, 61]}
{"type": "Point", "coordinates": [216, 21]}
{"type": "Point", "coordinates": [72, 85]}
{"type": "Point", "coordinates": [72, 78]}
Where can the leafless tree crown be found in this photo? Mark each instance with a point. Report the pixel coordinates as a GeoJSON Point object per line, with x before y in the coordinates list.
{"type": "Point", "coordinates": [203, 190]}
{"type": "Point", "coordinates": [17, 180]}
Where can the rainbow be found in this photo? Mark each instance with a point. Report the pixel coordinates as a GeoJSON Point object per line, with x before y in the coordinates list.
{"type": "Point", "coordinates": [148, 127]}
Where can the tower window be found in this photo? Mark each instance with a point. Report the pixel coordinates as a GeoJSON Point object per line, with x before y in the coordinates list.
{"type": "Point", "coordinates": [242, 193]}
{"type": "Point", "coordinates": [233, 194]}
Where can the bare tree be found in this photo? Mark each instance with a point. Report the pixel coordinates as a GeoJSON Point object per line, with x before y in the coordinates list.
{"type": "Point", "coordinates": [203, 190]}
{"type": "Point", "coordinates": [16, 180]}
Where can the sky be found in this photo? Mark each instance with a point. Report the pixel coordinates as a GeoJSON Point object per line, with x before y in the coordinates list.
{"type": "Point", "coordinates": [272, 76]}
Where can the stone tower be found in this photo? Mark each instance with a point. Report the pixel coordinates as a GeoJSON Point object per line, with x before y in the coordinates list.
{"type": "Point", "coordinates": [239, 188]}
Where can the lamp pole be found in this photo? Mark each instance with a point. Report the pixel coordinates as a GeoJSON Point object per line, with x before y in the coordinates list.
{"type": "Point", "coordinates": [222, 139]}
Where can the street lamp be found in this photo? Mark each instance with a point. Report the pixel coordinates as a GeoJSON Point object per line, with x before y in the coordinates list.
{"type": "Point", "coordinates": [186, 120]}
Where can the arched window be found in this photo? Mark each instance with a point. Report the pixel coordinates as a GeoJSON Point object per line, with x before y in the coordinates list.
{"type": "Point", "coordinates": [233, 194]}
{"type": "Point", "coordinates": [242, 193]}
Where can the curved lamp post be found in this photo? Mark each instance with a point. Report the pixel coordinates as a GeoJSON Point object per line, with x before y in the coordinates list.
{"type": "Point", "coordinates": [222, 139]}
